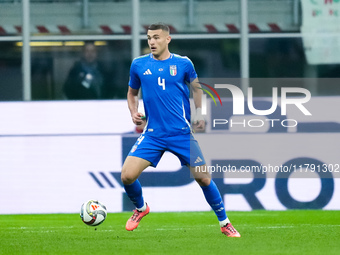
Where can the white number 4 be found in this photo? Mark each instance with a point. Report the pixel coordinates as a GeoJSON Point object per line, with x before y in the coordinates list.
{"type": "Point", "coordinates": [161, 82]}
{"type": "Point", "coordinates": [140, 139]}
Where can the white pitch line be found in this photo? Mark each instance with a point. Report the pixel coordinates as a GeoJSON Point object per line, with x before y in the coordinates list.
{"type": "Point", "coordinates": [15, 228]}
{"type": "Point", "coordinates": [298, 225]}
{"type": "Point", "coordinates": [277, 227]}
{"type": "Point", "coordinates": [55, 229]}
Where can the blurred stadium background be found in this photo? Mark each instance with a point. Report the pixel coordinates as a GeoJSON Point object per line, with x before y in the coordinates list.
{"type": "Point", "coordinates": [58, 151]}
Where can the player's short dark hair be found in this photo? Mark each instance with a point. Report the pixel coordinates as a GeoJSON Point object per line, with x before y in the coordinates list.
{"type": "Point", "coordinates": [159, 25]}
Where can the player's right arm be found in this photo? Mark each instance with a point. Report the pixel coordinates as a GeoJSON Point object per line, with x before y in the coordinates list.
{"type": "Point", "coordinates": [132, 95]}
{"type": "Point", "coordinates": [132, 98]}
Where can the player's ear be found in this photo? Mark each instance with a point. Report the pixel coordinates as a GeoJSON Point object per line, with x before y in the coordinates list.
{"type": "Point", "coordinates": [168, 39]}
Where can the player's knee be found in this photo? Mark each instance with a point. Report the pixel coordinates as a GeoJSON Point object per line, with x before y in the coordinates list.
{"type": "Point", "coordinates": [127, 178]}
{"type": "Point", "coordinates": [203, 181]}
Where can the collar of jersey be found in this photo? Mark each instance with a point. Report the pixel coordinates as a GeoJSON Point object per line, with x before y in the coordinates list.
{"type": "Point", "coordinates": [171, 55]}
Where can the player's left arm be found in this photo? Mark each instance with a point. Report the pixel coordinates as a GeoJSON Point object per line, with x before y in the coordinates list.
{"type": "Point", "coordinates": [197, 93]}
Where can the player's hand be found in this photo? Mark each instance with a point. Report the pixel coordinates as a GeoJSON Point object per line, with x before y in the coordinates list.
{"type": "Point", "coordinates": [199, 122]}
{"type": "Point", "coordinates": [138, 118]}
{"type": "Point", "coordinates": [199, 126]}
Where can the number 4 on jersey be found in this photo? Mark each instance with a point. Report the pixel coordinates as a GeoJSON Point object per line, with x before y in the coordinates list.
{"type": "Point", "coordinates": [161, 82]}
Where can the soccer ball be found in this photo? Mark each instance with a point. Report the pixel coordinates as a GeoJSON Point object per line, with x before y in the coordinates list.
{"type": "Point", "coordinates": [93, 213]}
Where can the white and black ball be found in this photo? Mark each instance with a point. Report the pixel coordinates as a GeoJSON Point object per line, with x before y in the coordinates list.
{"type": "Point", "coordinates": [93, 213]}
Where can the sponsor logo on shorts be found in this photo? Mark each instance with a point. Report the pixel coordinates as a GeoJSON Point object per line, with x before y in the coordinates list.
{"type": "Point", "coordinates": [198, 160]}
{"type": "Point", "coordinates": [134, 148]}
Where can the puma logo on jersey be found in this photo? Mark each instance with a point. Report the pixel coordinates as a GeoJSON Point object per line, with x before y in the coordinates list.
{"type": "Point", "coordinates": [198, 160]}
{"type": "Point", "coordinates": [147, 72]}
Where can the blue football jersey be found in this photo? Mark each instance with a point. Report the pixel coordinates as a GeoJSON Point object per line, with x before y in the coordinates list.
{"type": "Point", "coordinates": [165, 91]}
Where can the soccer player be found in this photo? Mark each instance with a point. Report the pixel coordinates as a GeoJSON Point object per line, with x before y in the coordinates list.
{"type": "Point", "coordinates": [164, 78]}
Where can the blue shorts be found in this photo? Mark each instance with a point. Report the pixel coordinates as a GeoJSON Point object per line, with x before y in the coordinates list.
{"type": "Point", "coordinates": [185, 147]}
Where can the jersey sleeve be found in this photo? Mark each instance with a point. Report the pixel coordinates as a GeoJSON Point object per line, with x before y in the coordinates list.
{"type": "Point", "coordinates": [190, 71]}
{"type": "Point", "coordinates": [134, 81]}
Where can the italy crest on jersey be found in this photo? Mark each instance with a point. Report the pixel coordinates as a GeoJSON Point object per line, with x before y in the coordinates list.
{"type": "Point", "coordinates": [173, 70]}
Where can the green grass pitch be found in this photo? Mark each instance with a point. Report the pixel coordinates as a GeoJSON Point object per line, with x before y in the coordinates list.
{"type": "Point", "coordinates": [263, 232]}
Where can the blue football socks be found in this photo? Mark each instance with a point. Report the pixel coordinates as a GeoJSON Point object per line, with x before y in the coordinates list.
{"type": "Point", "coordinates": [134, 192]}
{"type": "Point", "coordinates": [214, 199]}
